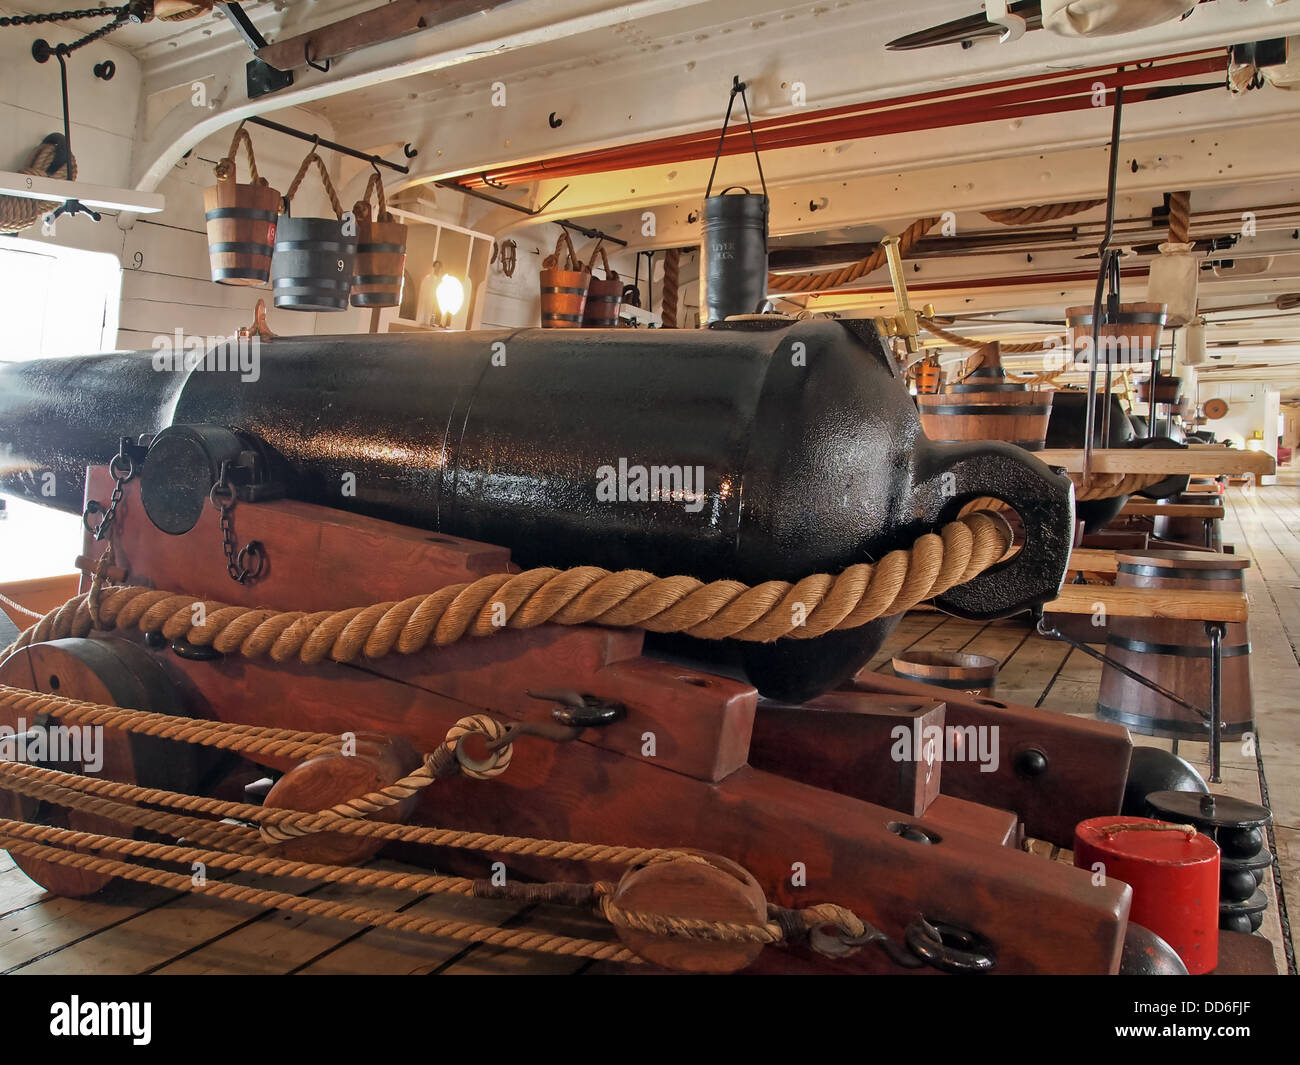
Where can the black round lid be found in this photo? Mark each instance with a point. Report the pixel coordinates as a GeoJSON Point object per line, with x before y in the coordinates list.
{"type": "Point", "coordinates": [1218, 810]}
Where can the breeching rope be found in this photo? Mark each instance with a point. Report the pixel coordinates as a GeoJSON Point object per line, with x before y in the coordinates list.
{"type": "Point", "coordinates": [585, 595]}
{"type": "Point", "coordinates": [901, 579]}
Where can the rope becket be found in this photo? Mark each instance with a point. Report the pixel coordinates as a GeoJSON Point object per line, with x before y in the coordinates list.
{"type": "Point", "coordinates": [812, 607]}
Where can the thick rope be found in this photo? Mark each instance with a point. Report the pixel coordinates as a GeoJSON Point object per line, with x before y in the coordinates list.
{"type": "Point", "coordinates": [323, 821]}
{"type": "Point", "coordinates": [228, 736]}
{"type": "Point", "coordinates": [19, 212]}
{"type": "Point", "coordinates": [463, 931]}
{"type": "Point", "coordinates": [227, 168]}
{"type": "Point", "coordinates": [672, 280]}
{"type": "Point", "coordinates": [1043, 212]}
{"type": "Point", "coordinates": [831, 278]}
{"type": "Point", "coordinates": [1110, 485]}
{"type": "Point", "coordinates": [1180, 217]}
{"type": "Point", "coordinates": [763, 613]}
{"type": "Point", "coordinates": [929, 326]}
{"type": "Point", "coordinates": [325, 180]}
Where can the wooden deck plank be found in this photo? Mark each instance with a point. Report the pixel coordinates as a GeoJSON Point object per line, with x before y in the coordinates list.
{"type": "Point", "coordinates": [51, 927]}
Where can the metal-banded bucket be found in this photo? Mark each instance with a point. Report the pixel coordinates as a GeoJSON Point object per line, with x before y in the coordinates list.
{"type": "Point", "coordinates": [564, 288]}
{"type": "Point", "coordinates": [314, 259]}
{"type": "Point", "coordinates": [972, 674]}
{"type": "Point", "coordinates": [313, 265]}
{"type": "Point", "coordinates": [1130, 336]}
{"type": "Point", "coordinates": [733, 251]}
{"type": "Point", "coordinates": [604, 295]}
{"type": "Point", "coordinates": [381, 253]}
{"type": "Point", "coordinates": [1176, 654]}
{"type": "Point", "coordinates": [241, 220]}
{"type": "Point", "coordinates": [984, 405]}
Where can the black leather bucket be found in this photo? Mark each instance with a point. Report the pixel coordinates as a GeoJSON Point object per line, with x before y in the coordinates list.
{"type": "Point", "coordinates": [733, 250]}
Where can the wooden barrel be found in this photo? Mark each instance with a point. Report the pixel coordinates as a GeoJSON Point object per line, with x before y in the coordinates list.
{"type": "Point", "coordinates": [973, 674]}
{"type": "Point", "coordinates": [564, 287]}
{"type": "Point", "coordinates": [604, 296]}
{"type": "Point", "coordinates": [1176, 654]}
{"type": "Point", "coordinates": [241, 222]}
{"type": "Point", "coordinates": [986, 406]}
{"type": "Point", "coordinates": [1133, 334]}
{"type": "Point", "coordinates": [380, 264]}
{"type": "Point", "coordinates": [1186, 530]}
{"type": "Point", "coordinates": [313, 264]}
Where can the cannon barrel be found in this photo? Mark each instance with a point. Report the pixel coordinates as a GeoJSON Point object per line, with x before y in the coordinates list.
{"type": "Point", "coordinates": [754, 451]}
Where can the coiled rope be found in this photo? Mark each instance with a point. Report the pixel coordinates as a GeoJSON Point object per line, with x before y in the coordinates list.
{"type": "Point", "coordinates": [49, 159]}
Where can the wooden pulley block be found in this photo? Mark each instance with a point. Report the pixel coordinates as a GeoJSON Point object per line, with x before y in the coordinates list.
{"type": "Point", "coordinates": [112, 672]}
{"type": "Point", "coordinates": [716, 890]}
{"type": "Point", "coordinates": [330, 779]}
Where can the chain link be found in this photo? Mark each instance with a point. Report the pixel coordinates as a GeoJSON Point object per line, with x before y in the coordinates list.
{"type": "Point", "coordinates": [105, 526]}
{"type": "Point", "coordinates": [244, 564]}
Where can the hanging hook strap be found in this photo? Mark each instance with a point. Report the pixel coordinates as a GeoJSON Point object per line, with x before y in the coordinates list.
{"type": "Point", "coordinates": [571, 262]}
{"type": "Point", "coordinates": [325, 180]}
{"type": "Point", "coordinates": [227, 168]}
{"type": "Point", "coordinates": [610, 273]}
{"type": "Point", "coordinates": [737, 87]}
{"type": "Point", "coordinates": [374, 187]}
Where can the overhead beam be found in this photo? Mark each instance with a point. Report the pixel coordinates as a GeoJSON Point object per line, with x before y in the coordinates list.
{"type": "Point", "coordinates": [387, 23]}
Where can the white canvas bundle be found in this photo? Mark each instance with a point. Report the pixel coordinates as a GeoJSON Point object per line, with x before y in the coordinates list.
{"type": "Point", "coordinates": [1173, 282]}
{"type": "Point", "coordinates": [1101, 18]}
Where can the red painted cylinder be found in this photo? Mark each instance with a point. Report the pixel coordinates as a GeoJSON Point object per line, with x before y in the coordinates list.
{"type": "Point", "coordinates": [1175, 880]}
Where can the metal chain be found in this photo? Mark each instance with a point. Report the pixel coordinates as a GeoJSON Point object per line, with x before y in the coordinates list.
{"type": "Point", "coordinates": [244, 564]}
{"type": "Point", "coordinates": [64, 16]}
{"type": "Point", "coordinates": [91, 38]}
{"type": "Point", "coordinates": [105, 525]}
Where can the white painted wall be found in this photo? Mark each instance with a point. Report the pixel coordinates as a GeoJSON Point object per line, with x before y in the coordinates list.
{"type": "Point", "coordinates": [1251, 408]}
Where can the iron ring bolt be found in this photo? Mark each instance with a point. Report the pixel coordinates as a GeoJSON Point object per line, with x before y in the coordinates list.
{"type": "Point", "coordinates": [250, 561]}
{"type": "Point", "coordinates": [92, 508]}
{"type": "Point", "coordinates": [117, 473]}
{"type": "Point", "coordinates": [948, 947]}
{"type": "Point", "coordinates": [222, 495]}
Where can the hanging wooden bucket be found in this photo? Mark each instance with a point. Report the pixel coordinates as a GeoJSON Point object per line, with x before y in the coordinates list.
{"type": "Point", "coordinates": [972, 674]}
{"type": "Point", "coordinates": [381, 252]}
{"type": "Point", "coordinates": [1169, 390]}
{"type": "Point", "coordinates": [1131, 336]}
{"type": "Point", "coordinates": [928, 376]}
{"type": "Point", "coordinates": [604, 296]}
{"type": "Point", "coordinates": [564, 288]}
{"type": "Point", "coordinates": [1185, 530]}
{"type": "Point", "coordinates": [312, 268]}
{"type": "Point", "coordinates": [1176, 654]}
{"type": "Point", "coordinates": [241, 220]}
{"type": "Point", "coordinates": [986, 406]}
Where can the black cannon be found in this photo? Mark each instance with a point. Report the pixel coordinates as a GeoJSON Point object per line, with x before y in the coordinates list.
{"type": "Point", "coordinates": [750, 451]}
